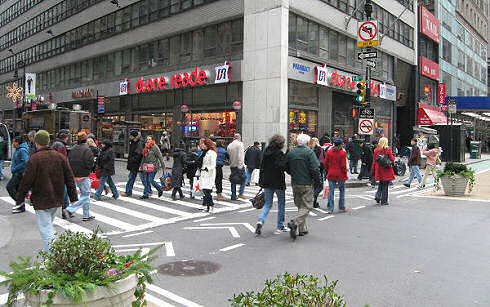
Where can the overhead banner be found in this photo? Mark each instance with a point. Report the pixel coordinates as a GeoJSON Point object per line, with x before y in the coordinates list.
{"type": "Point", "coordinates": [30, 86]}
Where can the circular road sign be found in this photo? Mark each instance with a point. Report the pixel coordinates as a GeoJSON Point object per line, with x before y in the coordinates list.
{"type": "Point", "coordinates": [367, 31]}
{"type": "Point", "coordinates": [366, 126]}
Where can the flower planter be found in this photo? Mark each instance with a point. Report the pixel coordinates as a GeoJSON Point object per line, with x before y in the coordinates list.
{"type": "Point", "coordinates": [454, 187]}
{"type": "Point", "coordinates": [121, 294]}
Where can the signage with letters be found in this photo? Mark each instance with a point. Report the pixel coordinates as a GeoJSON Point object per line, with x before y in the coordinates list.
{"type": "Point", "coordinates": [223, 73]}
{"type": "Point", "coordinates": [429, 25]}
{"type": "Point", "coordinates": [84, 93]}
{"type": "Point", "coordinates": [176, 81]}
{"type": "Point", "coordinates": [429, 69]}
{"type": "Point", "coordinates": [367, 33]}
{"type": "Point", "coordinates": [124, 87]}
{"type": "Point", "coordinates": [441, 93]}
{"type": "Point", "coordinates": [302, 69]}
{"type": "Point", "coordinates": [366, 121]}
{"type": "Point", "coordinates": [387, 91]}
{"type": "Point", "coordinates": [100, 104]}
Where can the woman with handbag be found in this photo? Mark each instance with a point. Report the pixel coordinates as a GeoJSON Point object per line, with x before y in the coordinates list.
{"type": "Point", "coordinates": [107, 170]}
{"type": "Point", "coordinates": [382, 170]}
{"type": "Point", "coordinates": [150, 164]}
{"type": "Point", "coordinates": [272, 180]}
{"type": "Point", "coordinates": [208, 173]}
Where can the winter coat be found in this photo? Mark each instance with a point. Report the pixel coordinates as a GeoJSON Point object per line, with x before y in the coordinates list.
{"type": "Point", "coordinates": [81, 160]}
{"type": "Point", "coordinates": [46, 175]}
{"type": "Point", "coordinates": [3, 149]}
{"type": "Point", "coordinates": [135, 154]}
{"type": "Point", "coordinates": [95, 153]}
{"type": "Point", "coordinates": [379, 172]}
{"type": "Point", "coordinates": [253, 155]}
{"type": "Point", "coordinates": [272, 169]}
{"type": "Point", "coordinates": [191, 164]}
{"type": "Point", "coordinates": [432, 156]}
{"type": "Point", "coordinates": [354, 153]}
{"type": "Point", "coordinates": [222, 156]}
{"type": "Point", "coordinates": [318, 150]}
{"type": "Point", "coordinates": [32, 148]}
{"type": "Point", "coordinates": [178, 167]}
{"type": "Point", "coordinates": [60, 146]}
{"type": "Point", "coordinates": [154, 157]}
{"type": "Point", "coordinates": [19, 160]}
{"type": "Point", "coordinates": [336, 164]}
{"type": "Point", "coordinates": [208, 170]}
{"type": "Point", "coordinates": [106, 162]}
{"type": "Point", "coordinates": [236, 152]}
{"type": "Point", "coordinates": [414, 156]}
{"type": "Point", "coordinates": [367, 156]}
{"type": "Point", "coordinates": [303, 166]}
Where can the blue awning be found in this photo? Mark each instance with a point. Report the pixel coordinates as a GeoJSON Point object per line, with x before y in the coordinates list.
{"type": "Point", "coordinates": [474, 103]}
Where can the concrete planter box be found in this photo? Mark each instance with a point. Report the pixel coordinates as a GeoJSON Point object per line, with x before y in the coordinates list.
{"type": "Point", "coordinates": [121, 294]}
{"type": "Point", "coordinates": [454, 187]}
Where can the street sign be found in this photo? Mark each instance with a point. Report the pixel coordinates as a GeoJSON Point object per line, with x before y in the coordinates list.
{"type": "Point", "coordinates": [367, 55]}
{"type": "Point", "coordinates": [367, 33]}
{"type": "Point", "coordinates": [356, 78]}
{"type": "Point", "coordinates": [371, 64]}
{"type": "Point", "coordinates": [451, 106]}
{"type": "Point", "coordinates": [366, 126]}
{"type": "Point", "coordinates": [100, 104]}
{"type": "Point", "coordinates": [366, 113]}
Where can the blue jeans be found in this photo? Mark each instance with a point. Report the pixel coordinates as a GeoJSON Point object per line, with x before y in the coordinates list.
{"type": "Point", "coordinates": [249, 174]}
{"type": "Point", "coordinates": [1, 170]}
{"type": "Point", "coordinates": [45, 220]}
{"type": "Point", "coordinates": [414, 171]}
{"type": "Point", "coordinates": [148, 180]}
{"type": "Point", "coordinates": [331, 186]}
{"type": "Point", "coordinates": [131, 179]}
{"type": "Point", "coordinates": [102, 183]}
{"type": "Point", "coordinates": [84, 201]}
{"type": "Point", "coordinates": [281, 206]}
{"type": "Point", "coordinates": [353, 166]}
{"type": "Point", "coordinates": [233, 186]}
{"type": "Point", "coordinates": [67, 199]}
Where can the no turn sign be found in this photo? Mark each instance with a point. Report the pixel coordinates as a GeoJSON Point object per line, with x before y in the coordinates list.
{"type": "Point", "coordinates": [366, 126]}
{"type": "Point", "coordinates": [367, 33]}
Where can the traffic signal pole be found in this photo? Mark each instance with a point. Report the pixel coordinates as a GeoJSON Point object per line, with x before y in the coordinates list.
{"type": "Point", "coordinates": [368, 9]}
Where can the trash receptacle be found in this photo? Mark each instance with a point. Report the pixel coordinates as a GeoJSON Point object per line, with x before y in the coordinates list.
{"type": "Point", "coordinates": [475, 150]}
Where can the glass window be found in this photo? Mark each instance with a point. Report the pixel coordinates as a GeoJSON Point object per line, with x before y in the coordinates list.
{"type": "Point", "coordinates": [292, 31]}
{"type": "Point", "coordinates": [333, 45]}
{"type": "Point", "coordinates": [174, 50]}
{"type": "Point", "coordinates": [197, 45]}
{"type": "Point", "coordinates": [126, 19]}
{"type": "Point", "coordinates": [109, 60]}
{"type": "Point", "coordinates": [224, 39]}
{"type": "Point", "coordinates": [323, 41]}
{"type": "Point", "coordinates": [210, 39]}
{"type": "Point", "coordinates": [351, 52]}
{"type": "Point", "coordinates": [164, 8]}
{"type": "Point", "coordinates": [302, 34]}
{"type": "Point", "coordinates": [342, 49]}
{"type": "Point", "coordinates": [174, 6]}
{"type": "Point", "coordinates": [144, 12]}
{"type": "Point", "coordinates": [118, 63]}
{"type": "Point", "coordinates": [313, 38]}
{"type": "Point", "coordinates": [163, 52]}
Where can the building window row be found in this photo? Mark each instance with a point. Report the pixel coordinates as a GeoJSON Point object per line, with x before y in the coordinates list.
{"type": "Point", "coordinates": [125, 19]}
{"type": "Point", "coordinates": [471, 41]}
{"type": "Point", "coordinates": [51, 16]}
{"type": "Point", "coordinates": [329, 46]}
{"type": "Point", "coordinates": [387, 22]}
{"type": "Point", "coordinates": [213, 43]}
{"type": "Point", "coordinates": [16, 9]}
{"type": "Point", "coordinates": [463, 61]}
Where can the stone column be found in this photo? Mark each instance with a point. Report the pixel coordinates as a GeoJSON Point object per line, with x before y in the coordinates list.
{"type": "Point", "coordinates": [264, 70]}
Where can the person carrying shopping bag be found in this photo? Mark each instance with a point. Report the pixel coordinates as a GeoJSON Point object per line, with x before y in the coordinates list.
{"type": "Point", "coordinates": [150, 164]}
{"type": "Point", "coordinates": [208, 173]}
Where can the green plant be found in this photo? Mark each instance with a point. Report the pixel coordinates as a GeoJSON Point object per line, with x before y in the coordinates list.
{"type": "Point", "coordinates": [289, 290]}
{"type": "Point", "coordinates": [77, 263]}
{"type": "Point", "coordinates": [453, 169]}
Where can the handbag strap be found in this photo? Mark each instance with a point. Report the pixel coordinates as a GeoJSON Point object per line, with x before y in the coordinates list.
{"type": "Point", "coordinates": [260, 191]}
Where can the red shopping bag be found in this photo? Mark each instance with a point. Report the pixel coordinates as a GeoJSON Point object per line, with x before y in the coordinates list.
{"type": "Point", "coordinates": [94, 181]}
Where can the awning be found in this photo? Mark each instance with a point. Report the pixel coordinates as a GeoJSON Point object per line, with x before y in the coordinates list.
{"type": "Point", "coordinates": [429, 115]}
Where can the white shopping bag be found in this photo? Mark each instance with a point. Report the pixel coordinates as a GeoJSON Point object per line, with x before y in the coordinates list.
{"type": "Point", "coordinates": [255, 176]}
{"type": "Point", "coordinates": [196, 190]}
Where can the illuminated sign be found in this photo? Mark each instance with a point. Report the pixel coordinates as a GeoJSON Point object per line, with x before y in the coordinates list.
{"type": "Point", "coordinates": [181, 80]}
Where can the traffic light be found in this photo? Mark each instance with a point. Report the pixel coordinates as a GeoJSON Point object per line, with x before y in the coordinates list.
{"type": "Point", "coordinates": [361, 92]}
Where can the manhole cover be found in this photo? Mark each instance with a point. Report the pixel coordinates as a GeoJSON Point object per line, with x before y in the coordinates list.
{"type": "Point", "coordinates": [188, 268]}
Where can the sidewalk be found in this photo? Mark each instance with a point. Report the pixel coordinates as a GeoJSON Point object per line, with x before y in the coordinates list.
{"type": "Point", "coordinates": [481, 190]}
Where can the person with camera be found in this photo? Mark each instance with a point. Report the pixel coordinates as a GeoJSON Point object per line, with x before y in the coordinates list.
{"type": "Point", "coordinates": [272, 180]}
{"type": "Point", "coordinates": [382, 170]}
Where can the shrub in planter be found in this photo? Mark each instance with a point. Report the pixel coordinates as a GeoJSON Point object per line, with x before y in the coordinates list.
{"type": "Point", "coordinates": [454, 170]}
{"type": "Point", "coordinates": [289, 290]}
{"type": "Point", "coordinates": [77, 265]}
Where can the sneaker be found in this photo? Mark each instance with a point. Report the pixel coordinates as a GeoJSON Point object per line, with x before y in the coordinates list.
{"type": "Point", "coordinates": [181, 197]}
{"type": "Point", "coordinates": [86, 219]}
{"type": "Point", "coordinates": [292, 229]}
{"type": "Point", "coordinates": [19, 208]}
{"type": "Point", "coordinates": [125, 194]}
{"type": "Point", "coordinates": [385, 204]}
{"type": "Point", "coordinates": [282, 230]}
{"type": "Point", "coordinates": [420, 187]}
{"type": "Point", "coordinates": [377, 200]}
{"type": "Point", "coordinates": [144, 197]}
{"type": "Point", "coordinates": [407, 185]}
{"type": "Point", "coordinates": [258, 229]}
{"type": "Point", "coordinates": [316, 205]}
{"type": "Point", "coordinates": [329, 212]}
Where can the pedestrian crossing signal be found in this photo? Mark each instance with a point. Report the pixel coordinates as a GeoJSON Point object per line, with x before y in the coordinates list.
{"type": "Point", "coordinates": [361, 92]}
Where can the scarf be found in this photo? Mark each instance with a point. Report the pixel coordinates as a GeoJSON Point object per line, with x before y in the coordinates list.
{"type": "Point", "coordinates": [148, 146]}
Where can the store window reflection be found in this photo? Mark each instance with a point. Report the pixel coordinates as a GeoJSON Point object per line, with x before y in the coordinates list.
{"type": "Point", "coordinates": [214, 125]}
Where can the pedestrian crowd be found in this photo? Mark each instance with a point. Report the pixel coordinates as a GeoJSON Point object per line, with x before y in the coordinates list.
{"type": "Point", "coordinates": [49, 173]}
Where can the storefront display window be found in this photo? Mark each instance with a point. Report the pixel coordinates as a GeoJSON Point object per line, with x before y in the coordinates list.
{"type": "Point", "coordinates": [217, 124]}
{"type": "Point", "coordinates": [154, 124]}
{"type": "Point", "coordinates": [302, 121]}
{"type": "Point", "coordinates": [303, 109]}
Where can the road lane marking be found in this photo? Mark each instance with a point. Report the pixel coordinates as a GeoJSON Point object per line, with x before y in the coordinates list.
{"type": "Point", "coordinates": [204, 219]}
{"type": "Point", "coordinates": [247, 210]}
{"type": "Point", "coordinates": [326, 218]}
{"type": "Point", "coordinates": [357, 208]}
{"type": "Point", "coordinates": [172, 296]}
{"type": "Point", "coordinates": [129, 212]}
{"type": "Point", "coordinates": [320, 210]}
{"type": "Point", "coordinates": [246, 225]}
{"type": "Point", "coordinates": [138, 234]}
{"type": "Point", "coordinates": [151, 299]}
{"type": "Point", "coordinates": [232, 247]}
{"type": "Point", "coordinates": [232, 230]}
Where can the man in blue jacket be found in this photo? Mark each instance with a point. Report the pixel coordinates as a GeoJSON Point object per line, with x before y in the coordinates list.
{"type": "Point", "coordinates": [18, 166]}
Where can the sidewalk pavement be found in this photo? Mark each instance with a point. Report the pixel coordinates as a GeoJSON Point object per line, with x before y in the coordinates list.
{"type": "Point", "coordinates": [481, 190]}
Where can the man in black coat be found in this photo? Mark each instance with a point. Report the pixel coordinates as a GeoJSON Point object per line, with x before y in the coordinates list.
{"type": "Point", "coordinates": [253, 157]}
{"type": "Point", "coordinates": [136, 146]}
{"type": "Point", "coordinates": [366, 160]}
{"type": "Point", "coordinates": [106, 162]}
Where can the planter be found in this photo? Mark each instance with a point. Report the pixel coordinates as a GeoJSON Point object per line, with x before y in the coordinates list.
{"type": "Point", "coordinates": [454, 187]}
{"type": "Point", "coordinates": [121, 294]}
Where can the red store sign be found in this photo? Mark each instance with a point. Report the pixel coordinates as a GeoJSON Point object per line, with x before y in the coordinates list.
{"type": "Point", "coordinates": [429, 24]}
{"type": "Point", "coordinates": [337, 78]}
{"type": "Point", "coordinates": [429, 69]}
{"type": "Point", "coordinates": [441, 93]}
{"type": "Point", "coordinates": [82, 93]}
{"type": "Point", "coordinates": [176, 81]}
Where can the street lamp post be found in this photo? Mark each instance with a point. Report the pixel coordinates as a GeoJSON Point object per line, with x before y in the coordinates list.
{"type": "Point", "coordinates": [183, 109]}
{"type": "Point", "coordinates": [237, 105]}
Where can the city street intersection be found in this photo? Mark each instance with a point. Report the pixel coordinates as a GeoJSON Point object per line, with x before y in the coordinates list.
{"type": "Point", "coordinates": [418, 251]}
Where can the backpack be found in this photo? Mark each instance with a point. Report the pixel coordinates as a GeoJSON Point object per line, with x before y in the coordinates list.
{"type": "Point", "coordinates": [322, 157]}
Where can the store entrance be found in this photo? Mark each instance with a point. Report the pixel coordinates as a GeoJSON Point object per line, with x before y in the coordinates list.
{"type": "Point", "coordinates": [342, 120]}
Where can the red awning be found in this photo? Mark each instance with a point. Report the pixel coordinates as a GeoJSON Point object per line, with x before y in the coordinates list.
{"type": "Point", "coordinates": [429, 115]}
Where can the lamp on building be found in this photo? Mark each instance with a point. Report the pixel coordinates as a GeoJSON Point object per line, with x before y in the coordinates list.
{"type": "Point", "coordinates": [184, 108]}
{"type": "Point", "coordinates": [77, 107]}
{"type": "Point", "coordinates": [52, 106]}
{"type": "Point", "coordinates": [237, 105]}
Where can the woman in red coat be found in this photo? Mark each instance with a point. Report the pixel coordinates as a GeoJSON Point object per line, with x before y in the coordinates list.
{"type": "Point", "coordinates": [336, 168]}
{"type": "Point", "coordinates": [383, 174]}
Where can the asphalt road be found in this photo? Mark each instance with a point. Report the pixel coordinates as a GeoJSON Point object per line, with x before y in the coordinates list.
{"type": "Point", "coordinates": [418, 251]}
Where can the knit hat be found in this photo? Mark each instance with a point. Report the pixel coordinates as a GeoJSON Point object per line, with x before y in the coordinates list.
{"type": "Point", "coordinates": [338, 142]}
{"type": "Point", "coordinates": [82, 136]}
{"type": "Point", "coordinates": [134, 133]}
{"type": "Point", "coordinates": [42, 138]}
